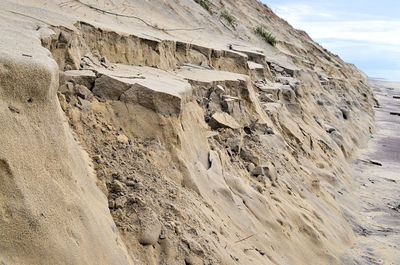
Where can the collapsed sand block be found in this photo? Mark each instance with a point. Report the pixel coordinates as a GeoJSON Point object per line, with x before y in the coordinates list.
{"type": "Point", "coordinates": [223, 120]}
{"type": "Point", "coordinates": [253, 53]}
{"type": "Point", "coordinates": [257, 70]}
{"type": "Point", "coordinates": [155, 89]}
{"type": "Point", "coordinates": [279, 91]}
{"type": "Point", "coordinates": [81, 77]}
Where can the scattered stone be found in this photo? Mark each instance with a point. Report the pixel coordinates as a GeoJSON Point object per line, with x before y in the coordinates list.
{"type": "Point", "coordinates": [168, 248]}
{"type": "Point", "coordinates": [395, 113]}
{"type": "Point", "coordinates": [67, 67]}
{"type": "Point", "coordinates": [268, 170]}
{"type": "Point", "coordinates": [223, 120]}
{"type": "Point", "coordinates": [277, 68]}
{"type": "Point", "coordinates": [251, 167]}
{"type": "Point", "coordinates": [97, 158]}
{"type": "Point", "coordinates": [193, 260]}
{"type": "Point", "coordinates": [82, 91]}
{"type": "Point", "coordinates": [66, 88]}
{"type": "Point", "coordinates": [249, 155]}
{"type": "Point", "coordinates": [262, 179]}
{"type": "Point", "coordinates": [111, 204]}
{"type": "Point", "coordinates": [219, 90]}
{"type": "Point", "coordinates": [120, 202]}
{"type": "Point", "coordinates": [265, 97]}
{"type": "Point", "coordinates": [84, 104]}
{"type": "Point", "coordinates": [178, 229]}
{"type": "Point", "coordinates": [260, 188]}
{"type": "Point", "coordinates": [150, 229]}
{"type": "Point", "coordinates": [193, 246]}
{"type": "Point", "coordinates": [211, 134]}
{"type": "Point", "coordinates": [234, 143]}
{"type": "Point", "coordinates": [287, 93]}
{"type": "Point", "coordinates": [116, 186]}
{"type": "Point", "coordinates": [122, 138]}
{"type": "Point", "coordinates": [62, 100]}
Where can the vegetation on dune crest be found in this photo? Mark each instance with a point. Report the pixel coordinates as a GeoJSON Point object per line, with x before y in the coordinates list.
{"type": "Point", "coordinates": [229, 18]}
{"type": "Point", "coordinates": [206, 4]}
{"type": "Point", "coordinates": [259, 30]}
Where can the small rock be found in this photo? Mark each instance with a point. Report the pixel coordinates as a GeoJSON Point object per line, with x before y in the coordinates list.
{"type": "Point", "coordinates": [131, 183]}
{"type": "Point", "coordinates": [219, 90]}
{"type": "Point", "coordinates": [193, 246]}
{"type": "Point", "coordinates": [193, 260]}
{"type": "Point", "coordinates": [251, 167]}
{"type": "Point", "coordinates": [111, 204]}
{"type": "Point", "coordinates": [261, 179]}
{"type": "Point", "coordinates": [84, 104]}
{"type": "Point", "coordinates": [277, 68]}
{"type": "Point", "coordinates": [122, 138]}
{"type": "Point", "coordinates": [67, 67]}
{"type": "Point", "coordinates": [260, 188]}
{"type": "Point", "coordinates": [62, 100]}
{"type": "Point", "coordinates": [117, 186]}
{"type": "Point", "coordinates": [82, 91]}
{"type": "Point", "coordinates": [66, 88]}
{"type": "Point", "coordinates": [248, 155]}
{"type": "Point", "coordinates": [234, 144]}
{"type": "Point", "coordinates": [168, 248]}
{"type": "Point", "coordinates": [120, 202]}
{"type": "Point", "coordinates": [151, 230]}
{"type": "Point", "coordinates": [268, 170]}
{"type": "Point", "coordinates": [178, 230]}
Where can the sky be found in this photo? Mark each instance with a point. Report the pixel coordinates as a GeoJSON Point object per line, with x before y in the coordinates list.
{"type": "Point", "coordinates": [363, 32]}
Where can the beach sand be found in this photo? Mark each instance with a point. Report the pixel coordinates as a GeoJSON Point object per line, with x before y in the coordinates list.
{"type": "Point", "coordinates": [376, 195]}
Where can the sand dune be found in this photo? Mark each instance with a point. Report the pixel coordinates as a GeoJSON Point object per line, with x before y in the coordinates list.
{"type": "Point", "coordinates": [160, 132]}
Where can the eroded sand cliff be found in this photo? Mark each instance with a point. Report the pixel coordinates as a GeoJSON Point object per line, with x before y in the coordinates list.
{"type": "Point", "coordinates": [180, 139]}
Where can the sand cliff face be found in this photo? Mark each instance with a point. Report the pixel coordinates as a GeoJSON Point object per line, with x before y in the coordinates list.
{"type": "Point", "coordinates": [211, 145]}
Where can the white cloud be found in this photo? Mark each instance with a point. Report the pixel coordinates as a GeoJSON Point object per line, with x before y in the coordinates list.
{"type": "Point", "coordinates": [371, 42]}
{"type": "Point", "coordinates": [298, 12]}
{"type": "Point", "coordinates": [322, 24]}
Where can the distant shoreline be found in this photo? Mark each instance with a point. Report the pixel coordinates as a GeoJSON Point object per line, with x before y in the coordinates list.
{"type": "Point", "coordinates": [381, 79]}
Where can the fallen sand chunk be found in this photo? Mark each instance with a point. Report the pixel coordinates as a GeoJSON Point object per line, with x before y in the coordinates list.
{"type": "Point", "coordinates": [82, 77]}
{"type": "Point", "coordinates": [223, 120]}
{"type": "Point", "coordinates": [150, 229]}
{"type": "Point", "coordinates": [161, 91]}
